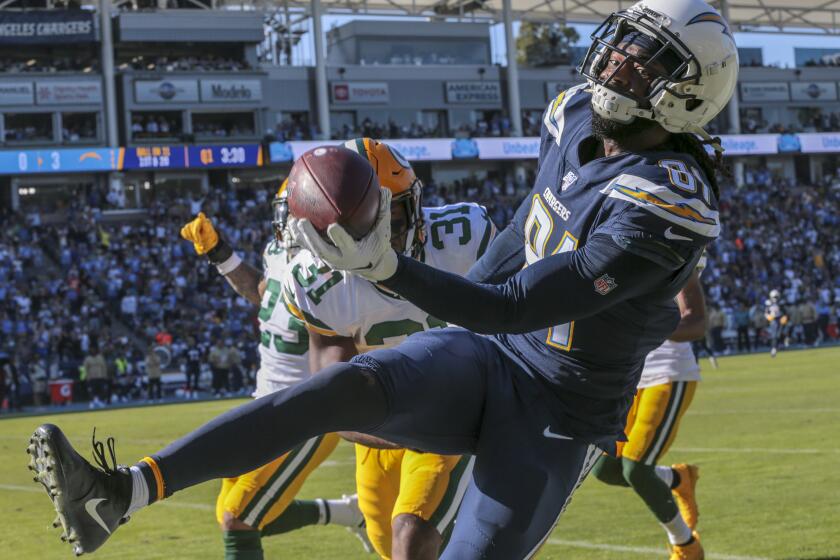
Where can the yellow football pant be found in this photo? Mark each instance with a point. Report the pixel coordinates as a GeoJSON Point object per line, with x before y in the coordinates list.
{"type": "Point", "coordinates": [653, 420]}
{"type": "Point", "coordinates": [392, 482]}
{"type": "Point", "coordinates": [260, 496]}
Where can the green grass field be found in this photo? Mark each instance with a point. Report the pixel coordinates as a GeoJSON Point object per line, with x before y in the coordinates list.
{"type": "Point", "coordinates": [765, 433]}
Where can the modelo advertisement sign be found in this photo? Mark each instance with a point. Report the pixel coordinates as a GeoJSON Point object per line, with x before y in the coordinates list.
{"type": "Point", "coordinates": [22, 162]}
{"type": "Point", "coordinates": [813, 91]}
{"type": "Point", "coordinates": [192, 157]}
{"type": "Point", "coordinates": [473, 92]}
{"type": "Point", "coordinates": [40, 27]}
{"type": "Point", "coordinates": [65, 93]}
{"type": "Point", "coordinates": [230, 91]}
{"type": "Point", "coordinates": [165, 91]}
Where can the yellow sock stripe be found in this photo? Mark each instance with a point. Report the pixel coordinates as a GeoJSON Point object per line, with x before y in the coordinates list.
{"type": "Point", "coordinates": [158, 476]}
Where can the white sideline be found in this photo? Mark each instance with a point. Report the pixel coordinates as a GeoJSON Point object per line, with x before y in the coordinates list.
{"type": "Point", "coordinates": [661, 552]}
{"type": "Point", "coordinates": [759, 450]}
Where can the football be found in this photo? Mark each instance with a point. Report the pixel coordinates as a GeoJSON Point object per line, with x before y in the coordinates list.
{"type": "Point", "coordinates": [331, 184]}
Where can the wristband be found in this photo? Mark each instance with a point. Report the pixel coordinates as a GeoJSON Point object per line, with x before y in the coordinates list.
{"type": "Point", "coordinates": [229, 265]}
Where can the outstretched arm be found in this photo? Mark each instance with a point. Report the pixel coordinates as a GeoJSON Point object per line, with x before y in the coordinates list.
{"type": "Point", "coordinates": [556, 289]}
{"type": "Point", "coordinates": [692, 306]}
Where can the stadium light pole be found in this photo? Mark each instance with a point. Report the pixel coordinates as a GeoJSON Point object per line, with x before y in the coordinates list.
{"type": "Point", "coordinates": [514, 108]}
{"type": "Point", "coordinates": [320, 71]}
{"type": "Point", "coordinates": [732, 108]}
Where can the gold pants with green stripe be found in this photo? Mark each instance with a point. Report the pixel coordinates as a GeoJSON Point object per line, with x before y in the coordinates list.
{"type": "Point", "coordinates": [392, 482]}
{"type": "Point", "coordinates": [259, 497]}
{"type": "Point", "coordinates": [653, 420]}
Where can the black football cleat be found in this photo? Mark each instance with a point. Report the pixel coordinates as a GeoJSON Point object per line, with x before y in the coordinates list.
{"type": "Point", "coordinates": [91, 503]}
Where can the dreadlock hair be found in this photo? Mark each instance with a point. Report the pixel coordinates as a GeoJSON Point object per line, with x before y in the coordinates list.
{"type": "Point", "coordinates": [687, 143]}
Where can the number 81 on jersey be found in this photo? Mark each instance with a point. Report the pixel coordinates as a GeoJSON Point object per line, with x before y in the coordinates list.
{"type": "Point", "coordinates": [538, 229]}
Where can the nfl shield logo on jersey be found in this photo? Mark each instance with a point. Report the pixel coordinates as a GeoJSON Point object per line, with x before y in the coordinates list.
{"type": "Point", "coordinates": [604, 284]}
{"type": "Point", "coordinates": [568, 179]}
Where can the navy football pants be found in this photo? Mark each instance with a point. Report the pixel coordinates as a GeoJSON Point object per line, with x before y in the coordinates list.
{"type": "Point", "coordinates": [447, 391]}
{"type": "Point", "coordinates": [452, 391]}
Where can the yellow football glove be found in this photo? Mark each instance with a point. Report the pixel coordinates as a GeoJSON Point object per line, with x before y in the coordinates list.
{"type": "Point", "coordinates": [784, 320]}
{"type": "Point", "coordinates": [202, 234]}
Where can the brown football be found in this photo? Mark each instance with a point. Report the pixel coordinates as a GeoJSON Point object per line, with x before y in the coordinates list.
{"type": "Point", "coordinates": [331, 184]}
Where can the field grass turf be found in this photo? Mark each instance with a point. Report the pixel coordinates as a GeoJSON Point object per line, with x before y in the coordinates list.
{"type": "Point", "coordinates": [765, 433]}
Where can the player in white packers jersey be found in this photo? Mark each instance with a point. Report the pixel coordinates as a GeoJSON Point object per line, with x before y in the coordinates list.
{"type": "Point", "coordinates": [261, 502]}
{"type": "Point", "coordinates": [665, 391]}
{"type": "Point", "coordinates": [409, 498]}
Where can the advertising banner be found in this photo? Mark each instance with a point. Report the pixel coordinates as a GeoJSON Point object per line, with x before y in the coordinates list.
{"type": "Point", "coordinates": [427, 149]}
{"type": "Point", "coordinates": [813, 91]}
{"type": "Point", "coordinates": [764, 91]}
{"type": "Point", "coordinates": [192, 157]}
{"type": "Point", "coordinates": [165, 91]}
{"type": "Point", "coordinates": [235, 155]}
{"type": "Point", "coordinates": [819, 142]}
{"type": "Point", "coordinates": [230, 91]}
{"type": "Point", "coordinates": [41, 27]}
{"type": "Point", "coordinates": [75, 92]}
{"type": "Point", "coordinates": [360, 92]}
{"type": "Point", "coordinates": [473, 92]}
{"type": "Point", "coordinates": [16, 93]}
{"type": "Point", "coordinates": [508, 148]}
{"type": "Point", "coordinates": [155, 157]}
{"type": "Point", "coordinates": [749, 144]}
{"type": "Point", "coordinates": [19, 162]}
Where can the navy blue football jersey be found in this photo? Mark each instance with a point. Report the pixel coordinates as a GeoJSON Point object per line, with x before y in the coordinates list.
{"type": "Point", "coordinates": [657, 203]}
{"type": "Point", "coordinates": [581, 285]}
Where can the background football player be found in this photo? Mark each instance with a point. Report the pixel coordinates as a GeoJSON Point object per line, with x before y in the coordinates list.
{"type": "Point", "coordinates": [665, 391]}
{"type": "Point", "coordinates": [260, 502]}
{"type": "Point", "coordinates": [538, 382]}
{"type": "Point", "coordinates": [409, 498]}
{"type": "Point", "coordinates": [777, 319]}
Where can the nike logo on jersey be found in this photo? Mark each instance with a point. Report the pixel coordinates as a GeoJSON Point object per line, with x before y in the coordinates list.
{"type": "Point", "coordinates": [90, 507]}
{"type": "Point", "coordinates": [549, 434]}
{"type": "Point", "coordinates": [669, 234]}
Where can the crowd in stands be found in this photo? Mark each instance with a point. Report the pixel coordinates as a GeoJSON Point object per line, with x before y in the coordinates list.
{"type": "Point", "coordinates": [221, 129]}
{"type": "Point", "coordinates": [77, 131]}
{"type": "Point", "coordinates": [49, 63]}
{"type": "Point", "coordinates": [776, 235]}
{"type": "Point", "coordinates": [154, 125]}
{"type": "Point", "coordinates": [136, 293]}
{"type": "Point", "coordinates": [28, 130]}
{"type": "Point", "coordinates": [206, 62]}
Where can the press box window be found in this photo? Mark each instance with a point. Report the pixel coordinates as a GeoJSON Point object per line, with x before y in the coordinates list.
{"type": "Point", "coordinates": [156, 125]}
{"type": "Point", "coordinates": [223, 125]}
{"type": "Point", "coordinates": [29, 127]}
{"type": "Point", "coordinates": [79, 127]}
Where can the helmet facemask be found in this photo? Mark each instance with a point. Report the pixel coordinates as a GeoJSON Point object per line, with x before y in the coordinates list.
{"type": "Point", "coordinates": [663, 56]}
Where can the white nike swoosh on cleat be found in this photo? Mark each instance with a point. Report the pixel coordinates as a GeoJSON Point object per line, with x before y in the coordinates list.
{"type": "Point", "coordinates": [669, 234]}
{"type": "Point", "coordinates": [90, 507]}
{"type": "Point", "coordinates": [549, 434]}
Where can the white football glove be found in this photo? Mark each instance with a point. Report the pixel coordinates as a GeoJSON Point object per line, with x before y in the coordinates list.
{"type": "Point", "coordinates": [370, 257]}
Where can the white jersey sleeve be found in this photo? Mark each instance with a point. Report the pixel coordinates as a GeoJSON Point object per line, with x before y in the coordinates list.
{"type": "Point", "coordinates": [284, 341]}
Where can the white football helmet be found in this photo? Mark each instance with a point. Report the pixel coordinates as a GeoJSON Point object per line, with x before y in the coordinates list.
{"type": "Point", "coordinates": [775, 295]}
{"type": "Point", "coordinates": [703, 72]}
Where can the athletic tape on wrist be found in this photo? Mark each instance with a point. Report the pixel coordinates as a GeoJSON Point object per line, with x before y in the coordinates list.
{"type": "Point", "coordinates": [229, 265]}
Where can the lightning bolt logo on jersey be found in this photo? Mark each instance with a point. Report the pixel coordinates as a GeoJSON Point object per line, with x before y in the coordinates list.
{"type": "Point", "coordinates": [284, 341]}
{"type": "Point", "coordinates": [655, 204]}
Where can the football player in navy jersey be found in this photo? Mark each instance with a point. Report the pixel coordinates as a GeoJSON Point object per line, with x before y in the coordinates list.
{"type": "Point", "coordinates": [557, 316]}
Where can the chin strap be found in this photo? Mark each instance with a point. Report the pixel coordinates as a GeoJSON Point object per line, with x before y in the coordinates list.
{"type": "Point", "coordinates": [713, 141]}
